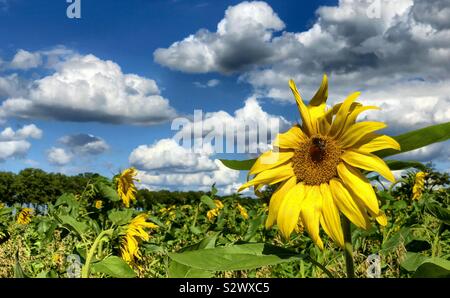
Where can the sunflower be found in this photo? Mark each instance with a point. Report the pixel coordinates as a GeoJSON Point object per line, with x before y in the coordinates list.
{"type": "Point", "coordinates": [129, 248]}
{"type": "Point", "coordinates": [419, 183]}
{"type": "Point", "coordinates": [98, 204]}
{"type": "Point", "coordinates": [25, 216]}
{"type": "Point", "coordinates": [125, 186]}
{"type": "Point", "coordinates": [316, 166]}
{"type": "Point", "coordinates": [211, 214]}
{"type": "Point", "coordinates": [242, 211]}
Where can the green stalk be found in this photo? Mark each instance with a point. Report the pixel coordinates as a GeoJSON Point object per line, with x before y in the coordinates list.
{"type": "Point", "coordinates": [348, 248]}
{"type": "Point", "coordinates": [87, 266]}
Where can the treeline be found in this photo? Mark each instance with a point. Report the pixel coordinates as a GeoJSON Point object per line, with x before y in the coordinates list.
{"type": "Point", "coordinates": [36, 186]}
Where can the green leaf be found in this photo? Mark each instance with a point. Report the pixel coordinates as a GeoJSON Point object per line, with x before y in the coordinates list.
{"type": "Point", "coordinates": [195, 230]}
{"type": "Point", "coordinates": [78, 226]}
{"type": "Point", "coordinates": [240, 165]}
{"type": "Point", "coordinates": [433, 268]}
{"type": "Point", "coordinates": [5, 211]}
{"type": "Point", "coordinates": [437, 211]}
{"type": "Point", "coordinates": [404, 236]}
{"type": "Point", "coordinates": [120, 217]}
{"type": "Point", "coordinates": [108, 192]}
{"type": "Point", "coordinates": [236, 257]}
{"type": "Point", "coordinates": [412, 261]}
{"type": "Point", "coordinates": [419, 138]}
{"type": "Point", "coordinates": [208, 201]}
{"type": "Point", "coordinates": [18, 272]}
{"type": "Point", "coordinates": [404, 164]}
{"type": "Point", "coordinates": [115, 267]}
{"type": "Point", "coordinates": [254, 226]}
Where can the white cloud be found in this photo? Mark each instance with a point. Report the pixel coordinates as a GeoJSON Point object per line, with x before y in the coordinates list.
{"type": "Point", "coordinates": [86, 88]}
{"type": "Point", "coordinates": [14, 143]}
{"type": "Point", "coordinates": [166, 164]}
{"type": "Point", "coordinates": [250, 126]}
{"type": "Point", "coordinates": [239, 42]}
{"type": "Point", "coordinates": [209, 84]}
{"type": "Point", "coordinates": [84, 144]}
{"type": "Point", "coordinates": [59, 156]}
{"type": "Point", "coordinates": [25, 60]}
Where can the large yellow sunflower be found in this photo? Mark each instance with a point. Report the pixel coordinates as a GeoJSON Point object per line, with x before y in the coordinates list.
{"type": "Point", "coordinates": [125, 186]}
{"type": "Point", "coordinates": [316, 165]}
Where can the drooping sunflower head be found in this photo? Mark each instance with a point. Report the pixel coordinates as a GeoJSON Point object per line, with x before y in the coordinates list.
{"type": "Point", "coordinates": [135, 231]}
{"type": "Point", "coordinates": [317, 164]}
{"type": "Point", "coordinates": [126, 187]}
{"type": "Point", "coordinates": [419, 183]}
{"type": "Point", "coordinates": [242, 211]}
{"type": "Point", "coordinates": [25, 215]}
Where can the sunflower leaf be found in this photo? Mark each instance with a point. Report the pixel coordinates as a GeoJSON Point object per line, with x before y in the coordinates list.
{"type": "Point", "coordinates": [404, 164]}
{"type": "Point", "coordinates": [418, 138]}
{"type": "Point", "coordinates": [239, 165]}
{"type": "Point", "coordinates": [115, 267]}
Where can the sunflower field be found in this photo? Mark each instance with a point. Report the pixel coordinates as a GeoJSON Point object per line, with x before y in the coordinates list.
{"type": "Point", "coordinates": [322, 211]}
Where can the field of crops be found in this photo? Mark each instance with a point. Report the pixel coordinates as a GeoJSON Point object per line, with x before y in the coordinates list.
{"type": "Point", "coordinates": [96, 232]}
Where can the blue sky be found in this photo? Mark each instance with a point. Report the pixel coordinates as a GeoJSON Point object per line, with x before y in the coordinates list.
{"type": "Point", "coordinates": [245, 50]}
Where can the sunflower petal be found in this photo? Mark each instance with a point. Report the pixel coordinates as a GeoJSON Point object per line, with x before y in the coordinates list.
{"type": "Point", "coordinates": [330, 219]}
{"type": "Point", "coordinates": [271, 176]}
{"type": "Point", "coordinates": [310, 213]}
{"type": "Point", "coordinates": [341, 116]}
{"type": "Point", "coordinates": [289, 211]}
{"type": "Point", "coordinates": [269, 160]}
{"type": "Point", "coordinates": [308, 125]}
{"type": "Point", "coordinates": [322, 94]}
{"type": "Point", "coordinates": [292, 139]}
{"type": "Point", "coordinates": [347, 204]}
{"type": "Point", "coordinates": [277, 198]}
{"type": "Point", "coordinates": [357, 131]}
{"type": "Point", "coordinates": [351, 119]}
{"type": "Point", "coordinates": [367, 161]}
{"type": "Point", "coordinates": [374, 142]}
{"type": "Point", "coordinates": [359, 186]}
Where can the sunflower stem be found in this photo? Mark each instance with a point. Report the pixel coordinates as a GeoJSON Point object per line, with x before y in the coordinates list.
{"type": "Point", "coordinates": [348, 248]}
{"type": "Point", "coordinates": [87, 266]}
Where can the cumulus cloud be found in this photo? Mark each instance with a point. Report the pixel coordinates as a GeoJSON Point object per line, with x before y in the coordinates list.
{"type": "Point", "coordinates": [14, 143]}
{"type": "Point", "coordinates": [59, 156]}
{"type": "Point", "coordinates": [248, 130]}
{"type": "Point", "coordinates": [84, 144]}
{"type": "Point", "coordinates": [26, 60]}
{"type": "Point", "coordinates": [166, 164]}
{"type": "Point", "coordinates": [86, 88]}
{"type": "Point", "coordinates": [241, 41]}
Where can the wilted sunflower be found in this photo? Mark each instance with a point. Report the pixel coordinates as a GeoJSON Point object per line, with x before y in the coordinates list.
{"type": "Point", "coordinates": [125, 186]}
{"type": "Point", "coordinates": [242, 211]}
{"type": "Point", "coordinates": [419, 183]}
{"type": "Point", "coordinates": [317, 168]}
{"type": "Point", "coordinates": [129, 248]}
{"type": "Point", "coordinates": [25, 216]}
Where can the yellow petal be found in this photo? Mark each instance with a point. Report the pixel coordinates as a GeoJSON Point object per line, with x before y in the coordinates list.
{"type": "Point", "coordinates": [310, 213]}
{"type": "Point", "coordinates": [341, 116]}
{"type": "Point", "coordinates": [292, 139]}
{"type": "Point", "coordinates": [347, 204]}
{"type": "Point", "coordinates": [357, 131]}
{"type": "Point", "coordinates": [277, 198]}
{"type": "Point", "coordinates": [289, 211]}
{"type": "Point", "coordinates": [330, 219]}
{"type": "Point", "coordinates": [304, 112]}
{"type": "Point", "coordinates": [367, 161]}
{"type": "Point", "coordinates": [380, 218]}
{"type": "Point", "coordinates": [322, 94]}
{"type": "Point", "coordinates": [374, 142]}
{"type": "Point", "coordinates": [269, 160]}
{"type": "Point", "coordinates": [351, 119]}
{"type": "Point", "coordinates": [271, 176]}
{"type": "Point", "coordinates": [359, 186]}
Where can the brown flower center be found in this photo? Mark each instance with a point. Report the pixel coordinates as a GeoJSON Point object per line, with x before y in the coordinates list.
{"type": "Point", "coordinates": [316, 160]}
